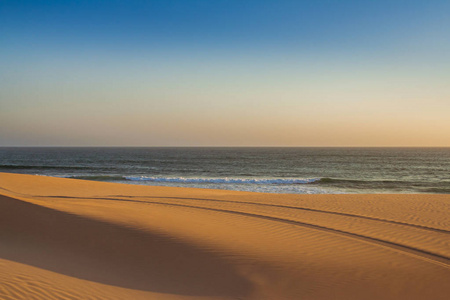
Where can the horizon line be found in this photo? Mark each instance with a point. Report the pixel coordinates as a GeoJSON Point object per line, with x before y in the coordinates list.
{"type": "Point", "coordinates": [54, 146]}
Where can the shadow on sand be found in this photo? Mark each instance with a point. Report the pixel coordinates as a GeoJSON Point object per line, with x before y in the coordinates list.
{"type": "Point", "coordinates": [112, 254]}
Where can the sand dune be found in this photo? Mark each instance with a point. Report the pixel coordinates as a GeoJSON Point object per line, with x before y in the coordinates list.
{"type": "Point", "coordinates": [74, 239]}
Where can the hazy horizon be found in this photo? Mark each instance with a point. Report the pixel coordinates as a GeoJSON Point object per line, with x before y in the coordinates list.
{"type": "Point", "coordinates": [225, 73]}
{"type": "Point", "coordinates": [255, 147]}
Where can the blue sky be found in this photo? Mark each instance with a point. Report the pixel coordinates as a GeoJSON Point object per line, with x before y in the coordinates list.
{"type": "Point", "coordinates": [225, 73]}
{"type": "Point", "coordinates": [292, 25]}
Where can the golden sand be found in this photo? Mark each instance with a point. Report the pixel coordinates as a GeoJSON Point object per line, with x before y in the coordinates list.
{"type": "Point", "coordinates": [74, 239]}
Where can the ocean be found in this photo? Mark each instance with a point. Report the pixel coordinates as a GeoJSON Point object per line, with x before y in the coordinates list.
{"type": "Point", "coordinates": [270, 170]}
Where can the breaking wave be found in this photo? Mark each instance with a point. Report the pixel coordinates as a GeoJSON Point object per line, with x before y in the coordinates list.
{"type": "Point", "coordinates": [368, 185]}
{"type": "Point", "coordinates": [224, 180]}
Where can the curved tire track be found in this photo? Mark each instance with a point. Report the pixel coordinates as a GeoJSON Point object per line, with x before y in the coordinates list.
{"type": "Point", "coordinates": [425, 255]}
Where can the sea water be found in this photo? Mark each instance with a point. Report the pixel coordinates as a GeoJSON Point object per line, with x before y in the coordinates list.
{"type": "Point", "coordinates": [271, 170]}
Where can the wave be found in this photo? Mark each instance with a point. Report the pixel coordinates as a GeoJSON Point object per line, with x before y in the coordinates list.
{"type": "Point", "coordinates": [393, 185]}
{"type": "Point", "coordinates": [224, 180]}
{"type": "Point", "coordinates": [441, 187]}
{"type": "Point", "coordinates": [331, 181]}
{"type": "Point", "coordinates": [323, 180]}
{"type": "Point", "coordinates": [327, 180]}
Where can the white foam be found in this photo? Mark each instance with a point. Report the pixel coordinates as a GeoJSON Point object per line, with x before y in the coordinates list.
{"type": "Point", "coordinates": [224, 180]}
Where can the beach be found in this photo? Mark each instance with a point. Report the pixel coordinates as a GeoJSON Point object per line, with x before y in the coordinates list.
{"type": "Point", "coordinates": [76, 239]}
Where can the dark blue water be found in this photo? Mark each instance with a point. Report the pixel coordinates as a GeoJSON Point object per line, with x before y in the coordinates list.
{"type": "Point", "coordinates": [274, 170]}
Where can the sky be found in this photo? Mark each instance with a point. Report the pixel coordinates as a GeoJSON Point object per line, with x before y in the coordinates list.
{"type": "Point", "coordinates": [340, 73]}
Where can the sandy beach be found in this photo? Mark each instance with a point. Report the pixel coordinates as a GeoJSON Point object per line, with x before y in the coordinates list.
{"type": "Point", "coordinates": [76, 239]}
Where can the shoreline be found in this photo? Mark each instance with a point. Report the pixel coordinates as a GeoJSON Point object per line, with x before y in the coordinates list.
{"type": "Point", "coordinates": [83, 238]}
